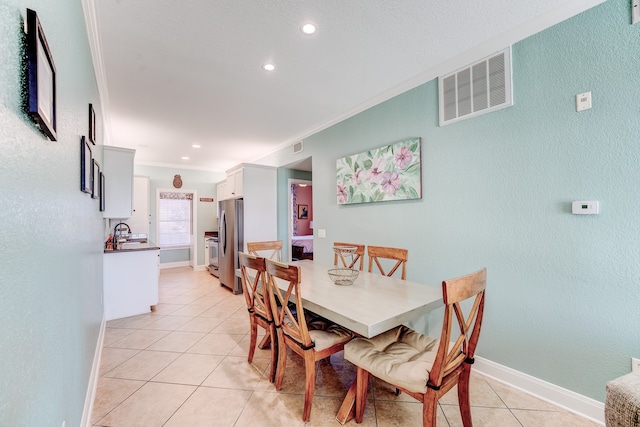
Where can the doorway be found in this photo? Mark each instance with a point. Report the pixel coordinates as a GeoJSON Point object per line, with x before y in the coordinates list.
{"type": "Point", "coordinates": [300, 222]}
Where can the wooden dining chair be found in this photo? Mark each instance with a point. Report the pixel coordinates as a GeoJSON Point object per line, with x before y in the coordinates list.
{"type": "Point", "coordinates": [253, 276]}
{"type": "Point", "coordinates": [358, 256]}
{"type": "Point", "coordinates": [273, 248]}
{"type": "Point", "coordinates": [424, 367]}
{"type": "Point", "coordinates": [308, 335]}
{"type": "Point", "coordinates": [400, 256]}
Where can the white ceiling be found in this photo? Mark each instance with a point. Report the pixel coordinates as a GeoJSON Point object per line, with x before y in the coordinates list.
{"type": "Point", "coordinates": [175, 73]}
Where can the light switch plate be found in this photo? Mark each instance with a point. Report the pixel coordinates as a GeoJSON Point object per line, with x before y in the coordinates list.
{"type": "Point", "coordinates": [635, 11]}
{"type": "Point", "coordinates": [583, 101]}
{"type": "Point", "coordinates": [322, 233]}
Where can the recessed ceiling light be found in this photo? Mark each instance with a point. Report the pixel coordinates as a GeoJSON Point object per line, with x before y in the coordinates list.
{"type": "Point", "coordinates": [185, 158]}
{"type": "Point", "coordinates": [308, 29]}
{"type": "Point", "coordinates": [195, 146]}
{"type": "Point", "coordinates": [268, 66]}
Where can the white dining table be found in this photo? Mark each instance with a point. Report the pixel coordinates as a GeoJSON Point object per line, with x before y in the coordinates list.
{"type": "Point", "coordinates": [373, 304]}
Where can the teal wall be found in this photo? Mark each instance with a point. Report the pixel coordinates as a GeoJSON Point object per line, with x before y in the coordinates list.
{"type": "Point", "coordinates": [563, 292]}
{"type": "Point", "coordinates": [284, 175]}
{"type": "Point", "coordinates": [52, 234]}
{"type": "Point", "coordinates": [204, 182]}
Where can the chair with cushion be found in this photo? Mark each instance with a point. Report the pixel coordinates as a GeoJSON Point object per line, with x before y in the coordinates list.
{"type": "Point", "coordinates": [308, 335]}
{"type": "Point", "coordinates": [269, 249]}
{"type": "Point", "coordinates": [400, 256]}
{"type": "Point", "coordinates": [358, 256]}
{"type": "Point", "coordinates": [253, 275]}
{"type": "Point", "coordinates": [423, 367]}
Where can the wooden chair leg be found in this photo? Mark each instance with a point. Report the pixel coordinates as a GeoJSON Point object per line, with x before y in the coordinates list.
{"type": "Point", "coordinates": [254, 338]}
{"type": "Point", "coordinates": [362, 384]}
{"type": "Point", "coordinates": [310, 383]}
{"type": "Point", "coordinates": [282, 360]}
{"type": "Point", "coordinates": [274, 354]}
{"type": "Point", "coordinates": [430, 409]}
{"type": "Point", "coordinates": [463, 396]}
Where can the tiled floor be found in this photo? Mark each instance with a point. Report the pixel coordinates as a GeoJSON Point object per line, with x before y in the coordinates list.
{"type": "Point", "coordinates": [186, 365]}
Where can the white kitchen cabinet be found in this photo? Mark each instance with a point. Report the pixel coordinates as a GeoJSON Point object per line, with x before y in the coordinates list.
{"type": "Point", "coordinates": [130, 282]}
{"type": "Point", "coordinates": [258, 186]}
{"type": "Point", "coordinates": [233, 186]}
{"type": "Point", "coordinates": [222, 190]}
{"type": "Point", "coordinates": [139, 221]}
{"type": "Point", "coordinates": [118, 175]}
{"type": "Point", "coordinates": [235, 180]}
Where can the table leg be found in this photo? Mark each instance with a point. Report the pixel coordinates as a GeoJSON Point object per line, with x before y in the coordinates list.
{"type": "Point", "coordinates": [347, 410]}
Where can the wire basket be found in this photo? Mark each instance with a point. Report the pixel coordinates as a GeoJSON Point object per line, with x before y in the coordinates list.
{"type": "Point", "coordinates": [343, 276]}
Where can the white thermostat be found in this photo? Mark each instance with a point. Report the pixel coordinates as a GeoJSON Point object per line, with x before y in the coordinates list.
{"type": "Point", "coordinates": [585, 208]}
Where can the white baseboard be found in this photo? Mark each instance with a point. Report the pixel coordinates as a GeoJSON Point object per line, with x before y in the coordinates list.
{"type": "Point", "coordinates": [174, 264]}
{"type": "Point", "coordinates": [201, 268]}
{"type": "Point", "coordinates": [566, 399]}
{"type": "Point", "coordinates": [93, 378]}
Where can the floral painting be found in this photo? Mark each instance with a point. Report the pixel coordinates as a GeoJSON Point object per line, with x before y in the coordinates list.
{"type": "Point", "coordinates": [392, 172]}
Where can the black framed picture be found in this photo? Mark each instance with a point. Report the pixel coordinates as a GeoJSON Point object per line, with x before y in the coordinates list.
{"type": "Point", "coordinates": [86, 172]}
{"type": "Point", "coordinates": [101, 192]}
{"type": "Point", "coordinates": [95, 180]}
{"type": "Point", "coordinates": [303, 211]}
{"type": "Point", "coordinates": [41, 76]}
{"type": "Point", "coordinates": [92, 125]}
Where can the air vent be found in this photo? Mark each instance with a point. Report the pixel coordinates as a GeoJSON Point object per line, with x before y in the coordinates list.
{"type": "Point", "coordinates": [476, 89]}
{"type": "Point", "coordinates": [297, 147]}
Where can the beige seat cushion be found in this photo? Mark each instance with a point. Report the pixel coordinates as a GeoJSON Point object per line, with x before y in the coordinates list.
{"type": "Point", "coordinates": [325, 333]}
{"type": "Point", "coordinates": [400, 357]}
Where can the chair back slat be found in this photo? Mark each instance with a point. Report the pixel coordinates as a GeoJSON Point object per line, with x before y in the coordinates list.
{"type": "Point", "coordinates": [291, 320]}
{"type": "Point", "coordinates": [395, 254]}
{"type": "Point", "coordinates": [450, 357]}
{"type": "Point", "coordinates": [268, 249]}
{"type": "Point", "coordinates": [253, 276]}
{"type": "Point", "coordinates": [338, 258]}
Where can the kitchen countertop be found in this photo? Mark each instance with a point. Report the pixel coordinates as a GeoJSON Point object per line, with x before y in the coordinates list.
{"type": "Point", "coordinates": [149, 246]}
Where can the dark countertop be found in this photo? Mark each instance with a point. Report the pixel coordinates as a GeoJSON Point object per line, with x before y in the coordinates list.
{"type": "Point", "coordinates": [211, 234]}
{"type": "Point", "coordinates": [149, 246]}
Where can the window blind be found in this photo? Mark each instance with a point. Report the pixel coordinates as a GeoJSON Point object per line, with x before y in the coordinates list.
{"type": "Point", "coordinates": [174, 219]}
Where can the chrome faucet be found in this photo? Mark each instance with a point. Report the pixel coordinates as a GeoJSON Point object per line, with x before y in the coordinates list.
{"type": "Point", "coordinates": [115, 232]}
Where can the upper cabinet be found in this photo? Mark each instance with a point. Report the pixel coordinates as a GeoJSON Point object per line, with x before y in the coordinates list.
{"type": "Point", "coordinates": [235, 179]}
{"type": "Point", "coordinates": [258, 186]}
{"type": "Point", "coordinates": [222, 190]}
{"type": "Point", "coordinates": [140, 219]}
{"type": "Point", "coordinates": [233, 186]}
{"type": "Point", "coordinates": [118, 174]}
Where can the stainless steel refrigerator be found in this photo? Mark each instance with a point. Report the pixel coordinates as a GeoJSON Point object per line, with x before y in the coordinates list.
{"type": "Point", "coordinates": [231, 241]}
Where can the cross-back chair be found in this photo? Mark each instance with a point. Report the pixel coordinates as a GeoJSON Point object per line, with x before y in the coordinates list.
{"type": "Point", "coordinates": [400, 256]}
{"type": "Point", "coordinates": [253, 275]}
{"type": "Point", "coordinates": [273, 248]}
{"type": "Point", "coordinates": [310, 336]}
{"type": "Point", "coordinates": [338, 258]}
{"type": "Point", "coordinates": [424, 367]}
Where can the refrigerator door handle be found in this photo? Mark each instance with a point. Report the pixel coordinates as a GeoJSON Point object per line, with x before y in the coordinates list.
{"type": "Point", "coordinates": [223, 233]}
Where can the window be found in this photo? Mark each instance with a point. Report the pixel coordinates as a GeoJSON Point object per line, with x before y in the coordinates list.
{"type": "Point", "coordinates": [175, 214]}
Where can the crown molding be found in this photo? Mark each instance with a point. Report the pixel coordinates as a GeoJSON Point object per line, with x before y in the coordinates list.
{"type": "Point", "coordinates": [95, 46]}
